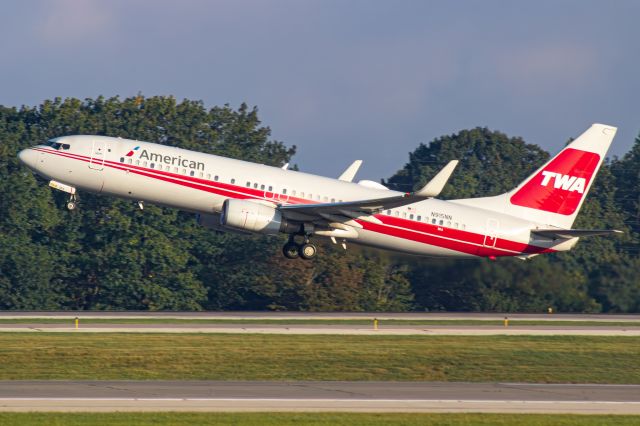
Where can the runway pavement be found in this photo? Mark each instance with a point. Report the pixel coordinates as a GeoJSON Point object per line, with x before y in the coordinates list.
{"type": "Point", "coordinates": [317, 396]}
{"type": "Point", "coordinates": [342, 329]}
{"type": "Point", "coordinates": [320, 315]}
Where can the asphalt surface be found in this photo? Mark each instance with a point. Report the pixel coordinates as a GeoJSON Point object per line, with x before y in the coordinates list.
{"type": "Point", "coordinates": [318, 315]}
{"type": "Point", "coordinates": [342, 329]}
{"type": "Point", "coordinates": [317, 396]}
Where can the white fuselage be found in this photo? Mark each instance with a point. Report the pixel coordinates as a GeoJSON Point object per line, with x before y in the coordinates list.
{"type": "Point", "coordinates": [200, 183]}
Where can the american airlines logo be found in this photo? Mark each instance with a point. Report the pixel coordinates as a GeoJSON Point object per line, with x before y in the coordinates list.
{"type": "Point", "coordinates": [566, 182]}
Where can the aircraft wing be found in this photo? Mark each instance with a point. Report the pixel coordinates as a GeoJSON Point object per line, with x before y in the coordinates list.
{"type": "Point", "coordinates": [573, 233]}
{"type": "Point", "coordinates": [357, 209]}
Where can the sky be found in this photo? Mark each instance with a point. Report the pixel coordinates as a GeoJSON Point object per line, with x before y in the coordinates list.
{"type": "Point", "coordinates": [343, 80]}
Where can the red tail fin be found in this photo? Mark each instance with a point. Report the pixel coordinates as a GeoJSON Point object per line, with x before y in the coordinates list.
{"type": "Point", "coordinates": [554, 193]}
{"type": "Point", "coordinates": [561, 184]}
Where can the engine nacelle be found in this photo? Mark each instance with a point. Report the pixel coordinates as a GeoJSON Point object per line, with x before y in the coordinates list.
{"type": "Point", "coordinates": [250, 216]}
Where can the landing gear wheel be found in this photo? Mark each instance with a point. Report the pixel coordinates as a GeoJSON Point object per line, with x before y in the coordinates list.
{"type": "Point", "coordinates": [73, 202]}
{"type": "Point", "coordinates": [308, 251]}
{"type": "Point", "coordinates": [291, 250]}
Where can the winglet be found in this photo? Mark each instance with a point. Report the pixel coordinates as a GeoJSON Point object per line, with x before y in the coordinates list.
{"type": "Point", "coordinates": [435, 185]}
{"type": "Point", "coordinates": [351, 171]}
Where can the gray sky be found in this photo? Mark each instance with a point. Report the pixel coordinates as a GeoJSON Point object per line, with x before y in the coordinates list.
{"type": "Point", "coordinates": [343, 80]}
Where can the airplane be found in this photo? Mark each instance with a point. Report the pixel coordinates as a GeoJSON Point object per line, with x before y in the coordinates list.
{"type": "Point", "coordinates": [244, 197]}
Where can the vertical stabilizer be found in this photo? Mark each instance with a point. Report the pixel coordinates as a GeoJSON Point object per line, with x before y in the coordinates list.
{"type": "Point", "coordinates": [554, 193]}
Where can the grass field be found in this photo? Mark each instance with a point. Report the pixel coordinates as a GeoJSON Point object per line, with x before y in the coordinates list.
{"type": "Point", "coordinates": [114, 356]}
{"type": "Point", "coordinates": [320, 322]}
{"type": "Point", "coordinates": [316, 419]}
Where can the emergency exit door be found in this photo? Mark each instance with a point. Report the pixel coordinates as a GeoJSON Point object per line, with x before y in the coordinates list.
{"type": "Point", "coordinates": [491, 233]}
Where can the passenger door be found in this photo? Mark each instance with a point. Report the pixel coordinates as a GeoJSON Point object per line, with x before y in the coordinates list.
{"type": "Point", "coordinates": [97, 154]}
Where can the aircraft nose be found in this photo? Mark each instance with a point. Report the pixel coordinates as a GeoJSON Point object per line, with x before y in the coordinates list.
{"type": "Point", "coordinates": [28, 157]}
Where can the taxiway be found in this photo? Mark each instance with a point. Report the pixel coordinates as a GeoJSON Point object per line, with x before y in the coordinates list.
{"type": "Point", "coordinates": [318, 396]}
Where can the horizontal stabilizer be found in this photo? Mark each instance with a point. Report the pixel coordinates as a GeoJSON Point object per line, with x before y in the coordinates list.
{"type": "Point", "coordinates": [573, 233]}
{"type": "Point", "coordinates": [351, 171]}
{"type": "Point", "coordinates": [435, 185]}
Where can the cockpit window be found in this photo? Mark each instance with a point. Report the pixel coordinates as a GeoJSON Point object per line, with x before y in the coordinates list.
{"type": "Point", "coordinates": [57, 145]}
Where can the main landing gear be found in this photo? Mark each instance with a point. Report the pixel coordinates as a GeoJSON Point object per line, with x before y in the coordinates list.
{"type": "Point", "coordinates": [293, 250]}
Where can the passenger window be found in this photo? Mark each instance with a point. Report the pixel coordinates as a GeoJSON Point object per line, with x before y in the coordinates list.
{"type": "Point", "coordinates": [397, 213]}
{"type": "Point", "coordinates": [433, 221]}
{"type": "Point", "coordinates": [248, 184]}
{"type": "Point", "coordinates": [441, 222]}
{"type": "Point", "coordinates": [144, 164]}
{"type": "Point", "coordinates": [122, 159]}
{"type": "Point", "coordinates": [233, 181]}
{"type": "Point", "coordinates": [255, 185]}
{"type": "Point", "coordinates": [411, 216]}
{"type": "Point", "coordinates": [326, 199]}
{"type": "Point", "coordinates": [167, 168]}
{"type": "Point", "coordinates": [455, 225]}
{"type": "Point", "coordinates": [151, 166]}
{"type": "Point", "coordinates": [192, 173]}
{"type": "Point", "coordinates": [184, 171]}
{"type": "Point", "coordinates": [262, 187]}
{"type": "Point", "coordinates": [388, 212]}
{"type": "Point", "coordinates": [404, 215]}
{"type": "Point", "coordinates": [215, 178]}
{"type": "Point", "coordinates": [208, 176]}
{"type": "Point", "coordinates": [419, 218]}
{"type": "Point", "coordinates": [293, 193]}
{"type": "Point", "coordinates": [270, 188]}
{"type": "Point", "coordinates": [129, 161]}
{"type": "Point", "coordinates": [464, 226]}
{"type": "Point", "coordinates": [137, 162]}
{"type": "Point", "coordinates": [333, 200]}
{"type": "Point", "coordinates": [284, 191]}
{"type": "Point", "coordinates": [449, 223]}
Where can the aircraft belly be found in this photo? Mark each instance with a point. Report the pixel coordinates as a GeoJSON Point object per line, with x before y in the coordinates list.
{"type": "Point", "coordinates": [388, 242]}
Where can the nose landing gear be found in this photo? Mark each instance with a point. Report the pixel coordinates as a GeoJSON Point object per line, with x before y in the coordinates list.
{"type": "Point", "coordinates": [305, 250]}
{"type": "Point", "coordinates": [73, 202]}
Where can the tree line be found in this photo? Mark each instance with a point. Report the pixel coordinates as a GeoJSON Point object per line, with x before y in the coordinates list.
{"type": "Point", "coordinates": [108, 254]}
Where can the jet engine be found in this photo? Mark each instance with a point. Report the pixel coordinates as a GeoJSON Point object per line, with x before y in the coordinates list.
{"type": "Point", "coordinates": [245, 215]}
